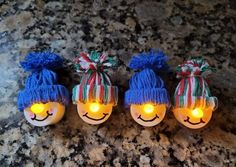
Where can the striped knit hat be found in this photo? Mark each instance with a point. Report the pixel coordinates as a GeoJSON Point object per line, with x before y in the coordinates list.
{"type": "Point", "coordinates": [95, 84]}
{"type": "Point", "coordinates": [146, 86]}
{"type": "Point", "coordinates": [193, 91]}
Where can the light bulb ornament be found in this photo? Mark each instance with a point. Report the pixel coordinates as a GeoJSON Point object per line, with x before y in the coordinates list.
{"type": "Point", "coordinates": [193, 103]}
{"type": "Point", "coordinates": [147, 97]}
{"type": "Point", "coordinates": [95, 96]}
{"type": "Point", "coordinates": [42, 100]}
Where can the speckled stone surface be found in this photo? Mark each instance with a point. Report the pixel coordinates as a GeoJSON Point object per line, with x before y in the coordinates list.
{"type": "Point", "coordinates": [123, 28]}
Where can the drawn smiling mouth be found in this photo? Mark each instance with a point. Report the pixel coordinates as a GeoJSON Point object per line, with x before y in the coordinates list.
{"type": "Point", "coordinates": [99, 119]}
{"type": "Point", "coordinates": [192, 123]}
{"type": "Point", "coordinates": [48, 114]}
{"type": "Point", "coordinates": [149, 120]}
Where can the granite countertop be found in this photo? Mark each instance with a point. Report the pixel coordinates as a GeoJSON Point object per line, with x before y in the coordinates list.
{"type": "Point", "coordinates": [123, 28]}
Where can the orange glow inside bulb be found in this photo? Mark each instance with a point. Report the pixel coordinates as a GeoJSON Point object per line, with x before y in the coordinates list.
{"type": "Point", "coordinates": [197, 113]}
{"type": "Point", "coordinates": [37, 108]}
{"type": "Point", "coordinates": [94, 107]}
{"type": "Point", "coordinates": [148, 108]}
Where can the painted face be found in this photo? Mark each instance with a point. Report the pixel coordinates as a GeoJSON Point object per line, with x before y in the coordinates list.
{"type": "Point", "coordinates": [40, 114]}
{"type": "Point", "coordinates": [148, 114]}
{"type": "Point", "coordinates": [94, 113]}
{"type": "Point", "coordinates": [193, 118]}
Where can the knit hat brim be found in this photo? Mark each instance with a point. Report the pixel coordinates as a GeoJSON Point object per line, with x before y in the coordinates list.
{"type": "Point", "coordinates": [196, 101]}
{"type": "Point", "coordinates": [42, 94]}
{"type": "Point", "coordinates": [104, 94]}
{"type": "Point", "coordinates": [152, 95]}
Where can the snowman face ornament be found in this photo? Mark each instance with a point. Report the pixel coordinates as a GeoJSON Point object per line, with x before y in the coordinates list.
{"type": "Point", "coordinates": [95, 96]}
{"type": "Point", "coordinates": [94, 113]}
{"type": "Point", "coordinates": [148, 114]}
{"type": "Point", "coordinates": [42, 114]}
{"type": "Point", "coordinates": [193, 102]}
{"type": "Point", "coordinates": [43, 99]}
{"type": "Point", "coordinates": [193, 118]}
{"type": "Point", "coordinates": [147, 96]}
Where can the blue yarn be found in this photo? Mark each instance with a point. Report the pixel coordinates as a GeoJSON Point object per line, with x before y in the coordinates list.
{"type": "Point", "coordinates": [36, 61]}
{"type": "Point", "coordinates": [42, 94]}
{"type": "Point", "coordinates": [146, 86]}
{"type": "Point", "coordinates": [41, 85]}
{"type": "Point", "coordinates": [43, 77]}
{"type": "Point", "coordinates": [155, 95]}
{"type": "Point", "coordinates": [146, 79]}
{"type": "Point", "coordinates": [154, 59]}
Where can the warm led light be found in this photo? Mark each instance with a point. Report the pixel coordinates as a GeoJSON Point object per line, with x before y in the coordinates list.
{"type": "Point", "coordinates": [148, 108]}
{"type": "Point", "coordinates": [37, 108]}
{"type": "Point", "coordinates": [198, 113]}
{"type": "Point", "coordinates": [94, 107]}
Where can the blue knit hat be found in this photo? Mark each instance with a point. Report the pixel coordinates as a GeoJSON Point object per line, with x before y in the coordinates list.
{"type": "Point", "coordinates": [146, 86]}
{"type": "Point", "coordinates": [41, 85]}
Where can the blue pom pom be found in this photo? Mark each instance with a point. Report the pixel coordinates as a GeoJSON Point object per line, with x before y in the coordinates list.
{"type": "Point", "coordinates": [154, 59]}
{"type": "Point", "coordinates": [36, 61]}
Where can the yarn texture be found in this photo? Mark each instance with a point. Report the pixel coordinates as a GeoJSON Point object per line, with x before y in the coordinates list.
{"type": "Point", "coordinates": [41, 86]}
{"type": "Point", "coordinates": [146, 86]}
{"type": "Point", "coordinates": [37, 61]}
{"type": "Point", "coordinates": [193, 90]}
{"type": "Point", "coordinates": [95, 84]}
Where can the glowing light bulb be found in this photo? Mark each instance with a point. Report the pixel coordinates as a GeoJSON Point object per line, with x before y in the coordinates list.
{"type": "Point", "coordinates": [37, 108]}
{"type": "Point", "coordinates": [94, 107]}
{"type": "Point", "coordinates": [148, 108]}
{"type": "Point", "coordinates": [198, 113]}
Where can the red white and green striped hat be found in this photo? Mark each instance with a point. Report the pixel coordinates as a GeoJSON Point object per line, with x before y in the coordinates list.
{"type": "Point", "coordinates": [95, 84]}
{"type": "Point", "coordinates": [193, 91]}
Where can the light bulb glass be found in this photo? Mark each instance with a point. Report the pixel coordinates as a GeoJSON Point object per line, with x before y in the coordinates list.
{"type": "Point", "coordinates": [148, 108]}
{"type": "Point", "coordinates": [197, 113]}
{"type": "Point", "coordinates": [94, 107]}
{"type": "Point", "coordinates": [37, 108]}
